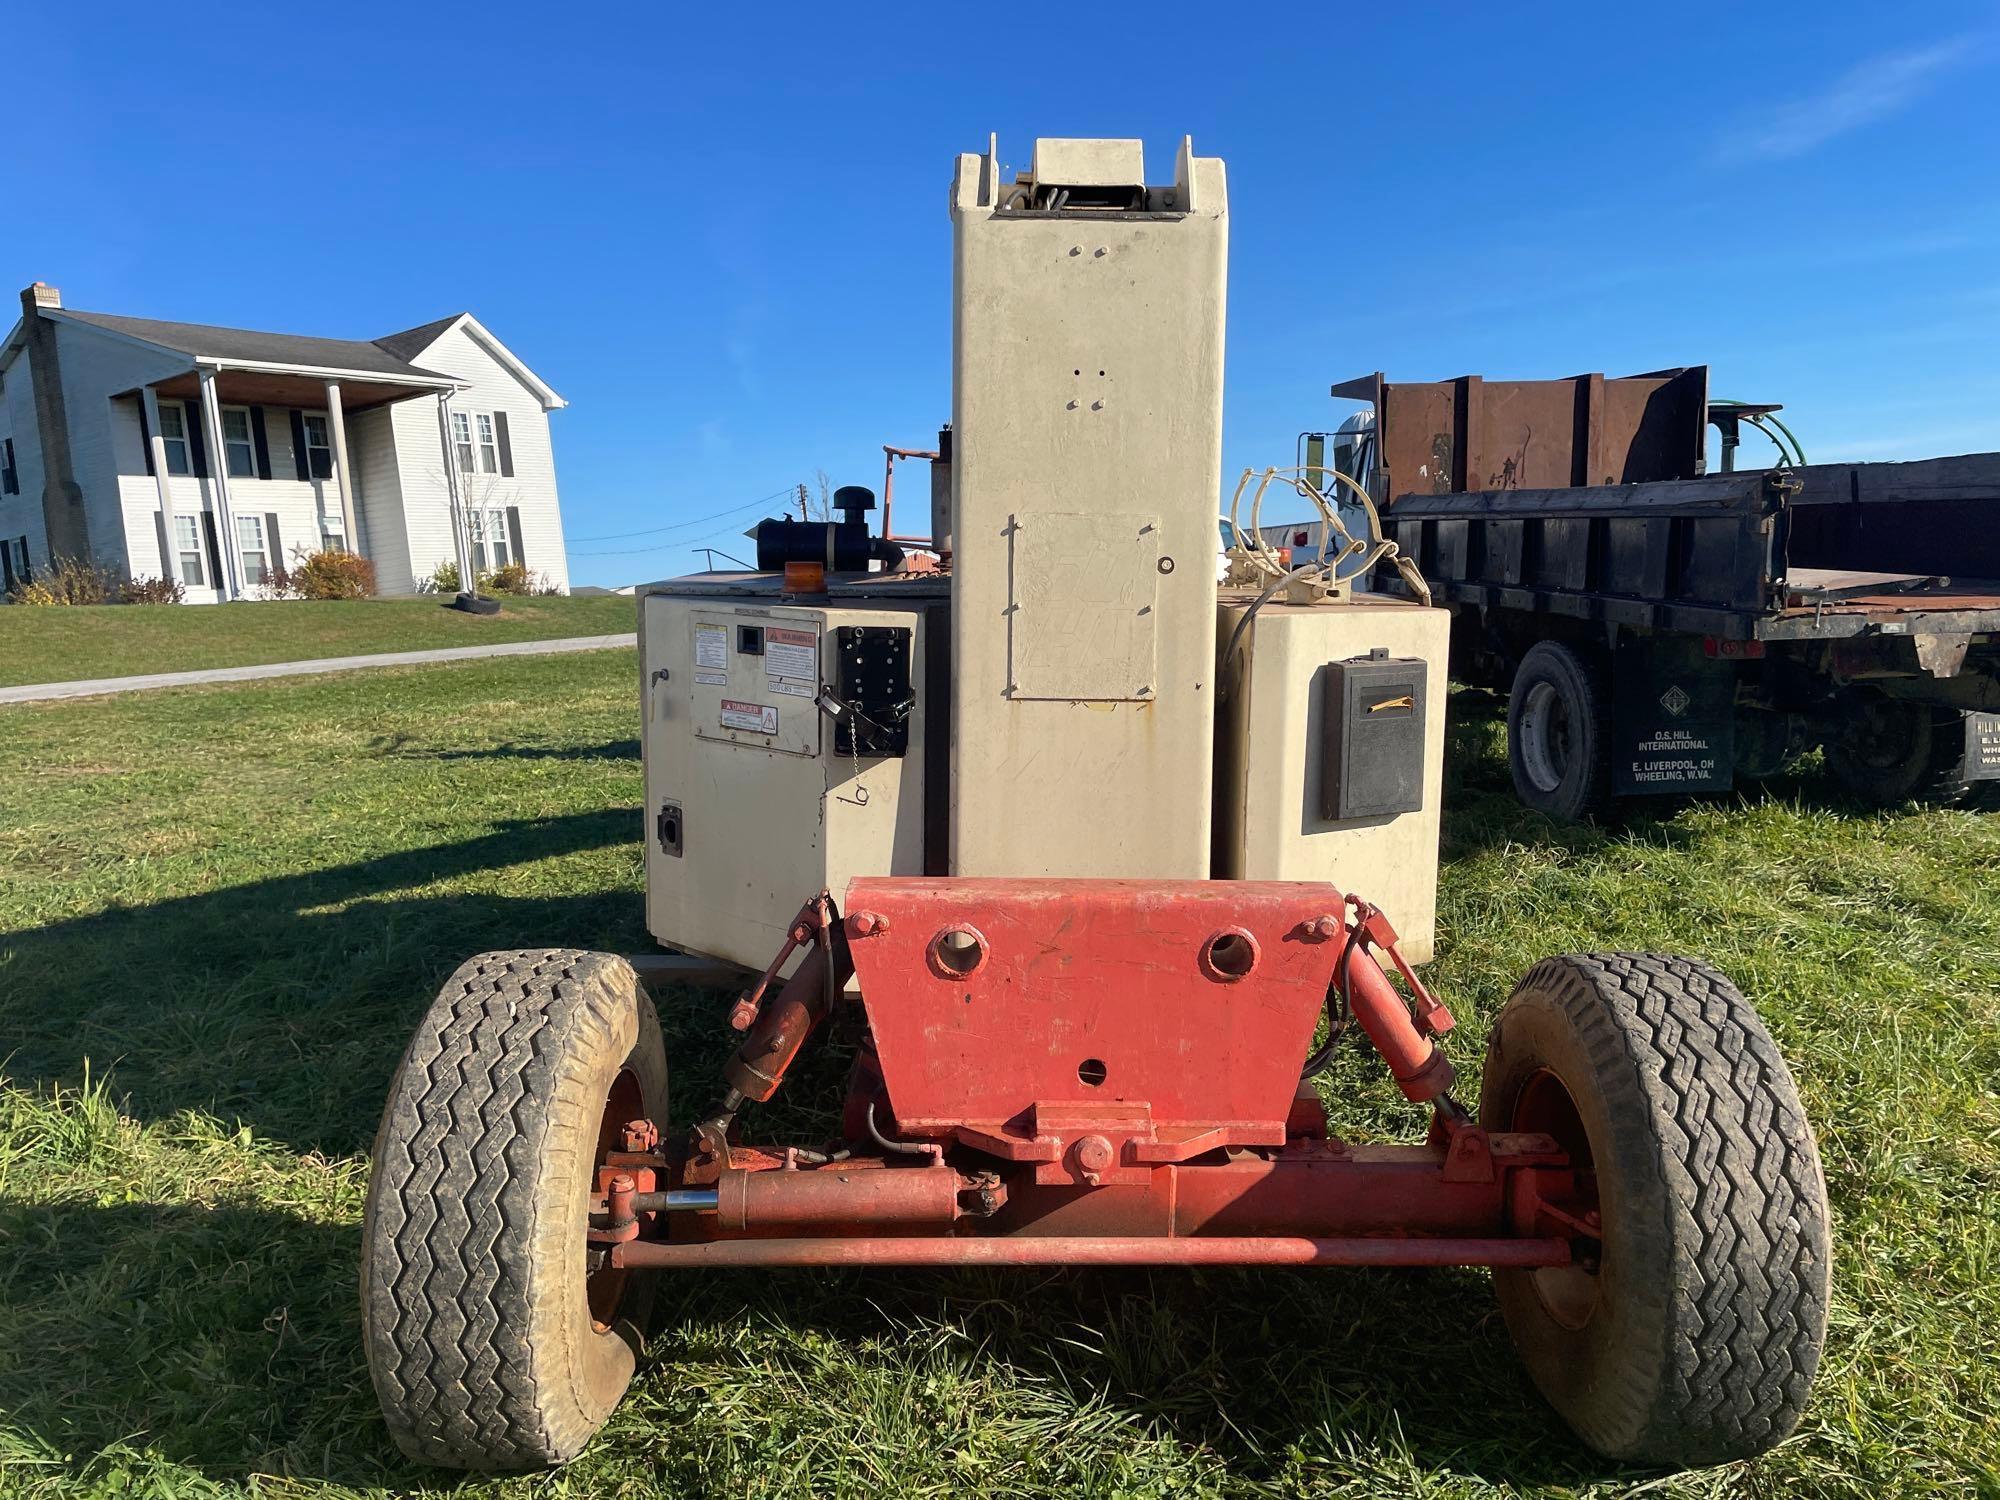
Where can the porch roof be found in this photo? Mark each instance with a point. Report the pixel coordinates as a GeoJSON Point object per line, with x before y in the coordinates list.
{"type": "Point", "coordinates": [276, 369]}
{"type": "Point", "coordinates": [306, 389]}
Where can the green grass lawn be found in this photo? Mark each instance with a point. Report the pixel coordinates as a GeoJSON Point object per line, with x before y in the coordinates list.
{"type": "Point", "coordinates": [222, 910]}
{"type": "Point", "coordinates": [122, 640]}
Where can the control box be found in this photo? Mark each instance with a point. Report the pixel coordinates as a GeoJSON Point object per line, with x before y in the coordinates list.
{"type": "Point", "coordinates": [1330, 750]}
{"type": "Point", "coordinates": [786, 750]}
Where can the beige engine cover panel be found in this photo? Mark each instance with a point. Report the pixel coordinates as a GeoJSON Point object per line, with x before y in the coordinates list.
{"type": "Point", "coordinates": [1087, 447]}
{"type": "Point", "coordinates": [1268, 823]}
{"type": "Point", "coordinates": [770, 813]}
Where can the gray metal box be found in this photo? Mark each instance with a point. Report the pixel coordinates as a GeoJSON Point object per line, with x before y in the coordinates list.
{"type": "Point", "coordinates": [1372, 746]}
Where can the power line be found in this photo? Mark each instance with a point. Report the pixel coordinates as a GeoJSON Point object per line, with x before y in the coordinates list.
{"type": "Point", "coordinates": [687, 542]}
{"type": "Point", "coordinates": [735, 510]}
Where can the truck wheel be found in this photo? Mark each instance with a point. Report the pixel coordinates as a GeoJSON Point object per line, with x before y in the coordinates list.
{"type": "Point", "coordinates": [491, 1344]}
{"type": "Point", "coordinates": [1558, 733]}
{"type": "Point", "coordinates": [1885, 751]}
{"type": "Point", "coordinates": [1693, 1338]}
{"type": "Point", "coordinates": [1768, 743]}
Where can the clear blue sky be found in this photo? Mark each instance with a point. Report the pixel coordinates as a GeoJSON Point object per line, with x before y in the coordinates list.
{"type": "Point", "coordinates": [721, 233]}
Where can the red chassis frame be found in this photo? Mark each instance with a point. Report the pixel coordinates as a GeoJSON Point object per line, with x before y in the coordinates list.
{"type": "Point", "coordinates": [1090, 1072]}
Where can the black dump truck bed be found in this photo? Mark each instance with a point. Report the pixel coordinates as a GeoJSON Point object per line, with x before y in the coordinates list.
{"type": "Point", "coordinates": [1818, 552]}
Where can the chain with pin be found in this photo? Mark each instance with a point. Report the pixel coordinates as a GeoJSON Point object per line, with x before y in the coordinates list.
{"type": "Point", "coordinates": [854, 761]}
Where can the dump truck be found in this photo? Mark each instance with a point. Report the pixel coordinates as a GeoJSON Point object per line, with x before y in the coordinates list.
{"type": "Point", "coordinates": [1104, 863]}
{"type": "Point", "coordinates": [1664, 630]}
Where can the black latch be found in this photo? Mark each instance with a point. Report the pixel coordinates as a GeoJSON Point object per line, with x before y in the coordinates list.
{"type": "Point", "coordinates": [671, 829]}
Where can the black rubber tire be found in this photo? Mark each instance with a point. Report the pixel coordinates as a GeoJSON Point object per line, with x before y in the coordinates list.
{"type": "Point", "coordinates": [1888, 751]}
{"type": "Point", "coordinates": [1559, 700]}
{"type": "Point", "coordinates": [1706, 1320]}
{"type": "Point", "coordinates": [475, 1316]}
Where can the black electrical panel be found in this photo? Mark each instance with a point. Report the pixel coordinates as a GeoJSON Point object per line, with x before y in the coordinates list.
{"type": "Point", "coordinates": [1372, 739]}
{"type": "Point", "coordinates": [872, 716]}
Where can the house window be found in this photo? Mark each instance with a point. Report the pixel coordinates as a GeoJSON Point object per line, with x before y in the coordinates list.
{"type": "Point", "coordinates": [489, 454]}
{"type": "Point", "coordinates": [489, 540]}
{"type": "Point", "coordinates": [187, 543]}
{"type": "Point", "coordinates": [319, 446]}
{"type": "Point", "coordinates": [10, 477]}
{"type": "Point", "coordinates": [237, 443]}
{"type": "Point", "coordinates": [14, 569]}
{"type": "Point", "coordinates": [461, 437]}
{"type": "Point", "coordinates": [173, 434]}
{"type": "Point", "coordinates": [250, 546]}
{"type": "Point", "coordinates": [332, 533]}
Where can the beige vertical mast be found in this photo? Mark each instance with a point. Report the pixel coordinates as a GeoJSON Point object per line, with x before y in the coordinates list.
{"type": "Point", "coordinates": [1087, 450]}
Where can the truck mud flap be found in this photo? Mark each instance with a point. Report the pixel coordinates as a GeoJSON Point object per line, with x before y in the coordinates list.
{"type": "Point", "coordinates": [1673, 719]}
{"type": "Point", "coordinates": [1982, 747]}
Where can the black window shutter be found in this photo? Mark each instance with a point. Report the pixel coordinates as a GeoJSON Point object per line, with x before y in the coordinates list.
{"type": "Point", "coordinates": [514, 532]}
{"type": "Point", "coordinates": [506, 446]}
{"type": "Point", "coordinates": [145, 435]}
{"type": "Point", "coordinates": [197, 445]}
{"type": "Point", "coordinates": [167, 570]}
{"type": "Point", "coordinates": [214, 551]}
{"type": "Point", "coordinates": [274, 550]}
{"type": "Point", "coordinates": [7, 566]}
{"type": "Point", "coordinates": [10, 475]}
{"type": "Point", "coordinates": [299, 444]}
{"type": "Point", "coordinates": [262, 443]}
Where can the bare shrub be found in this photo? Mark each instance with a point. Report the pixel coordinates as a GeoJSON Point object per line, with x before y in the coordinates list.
{"type": "Point", "coordinates": [70, 580]}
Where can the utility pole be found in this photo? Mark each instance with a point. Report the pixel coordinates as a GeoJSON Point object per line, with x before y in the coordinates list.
{"type": "Point", "coordinates": [802, 503]}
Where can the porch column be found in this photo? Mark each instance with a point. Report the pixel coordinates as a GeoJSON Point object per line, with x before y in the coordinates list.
{"type": "Point", "coordinates": [461, 533]}
{"type": "Point", "coordinates": [156, 456]}
{"type": "Point", "coordinates": [336, 424]}
{"type": "Point", "coordinates": [231, 582]}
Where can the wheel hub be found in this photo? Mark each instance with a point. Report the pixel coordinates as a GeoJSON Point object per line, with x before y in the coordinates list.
{"type": "Point", "coordinates": [1568, 1293]}
{"type": "Point", "coordinates": [1545, 737]}
{"type": "Point", "coordinates": [605, 1283]}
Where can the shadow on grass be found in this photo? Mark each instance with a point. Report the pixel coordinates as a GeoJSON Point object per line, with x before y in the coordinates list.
{"type": "Point", "coordinates": [284, 1004]}
{"type": "Point", "coordinates": [395, 747]}
{"type": "Point", "coordinates": [228, 1339]}
{"type": "Point", "coordinates": [1271, 1370]}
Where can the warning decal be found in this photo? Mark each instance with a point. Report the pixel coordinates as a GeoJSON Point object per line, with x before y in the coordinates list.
{"type": "Point", "coordinates": [711, 647]}
{"type": "Point", "coordinates": [791, 654]}
{"type": "Point", "coordinates": [758, 718]}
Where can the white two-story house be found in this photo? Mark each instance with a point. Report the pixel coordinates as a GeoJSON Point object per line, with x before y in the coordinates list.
{"type": "Point", "coordinates": [210, 455]}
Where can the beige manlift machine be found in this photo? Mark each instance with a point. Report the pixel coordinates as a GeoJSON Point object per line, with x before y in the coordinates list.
{"type": "Point", "coordinates": [1052, 703]}
{"type": "Point", "coordinates": [1087, 849]}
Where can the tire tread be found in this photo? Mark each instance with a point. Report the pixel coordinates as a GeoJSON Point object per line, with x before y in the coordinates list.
{"type": "Point", "coordinates": [1700, 1095]}
{"type": "Point", "coordinates": [493, 1081]}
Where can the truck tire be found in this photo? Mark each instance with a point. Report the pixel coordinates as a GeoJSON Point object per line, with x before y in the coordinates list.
{"type": "Point", "coordinates": [1887, 751]}
{"type": "Point", "coordinates": [1694, 1338]}
{"type": "Point", "coordinates": [490, 1343]}
{"type": "Point", "coordinates": [1558, 733]}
